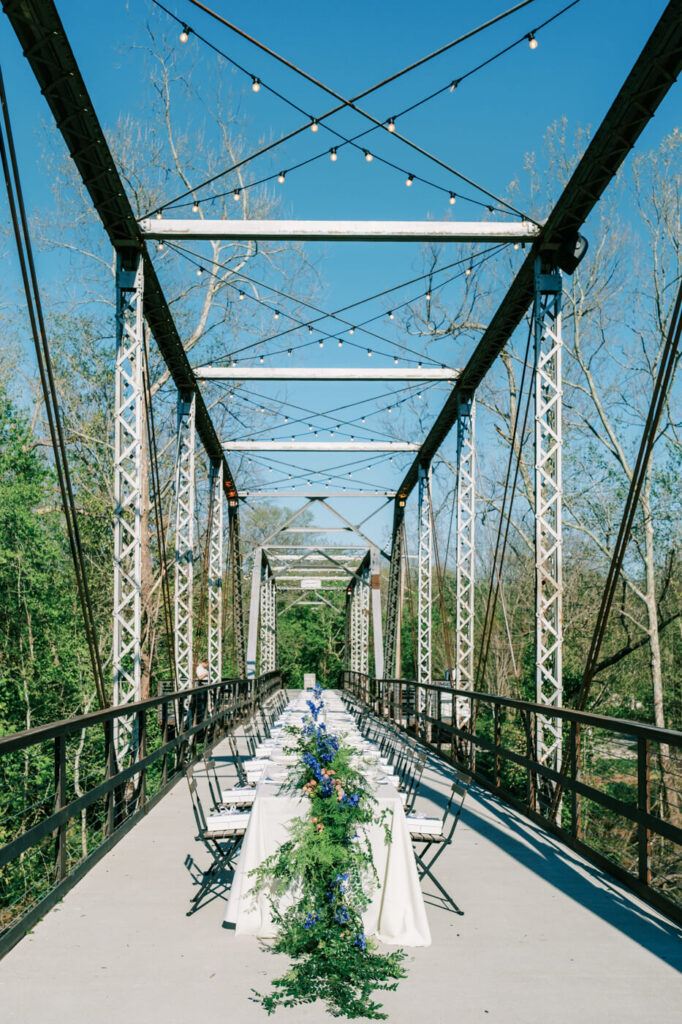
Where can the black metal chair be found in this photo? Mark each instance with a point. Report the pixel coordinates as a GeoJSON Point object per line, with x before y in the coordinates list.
{"type": "Point", "coordinates": [430, 836]}
{"type": "Point", "coordinates": [221, 835]}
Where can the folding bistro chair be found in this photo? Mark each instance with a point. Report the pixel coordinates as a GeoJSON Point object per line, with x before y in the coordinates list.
{"type": "Point", "coordinates": [412, 780]}
{"type": "Point", "coordinates": [435, 834]}
{"type": "Point", "coordinates": [221, 834]}
{"type": "Point", "coordinates": [238, 797]}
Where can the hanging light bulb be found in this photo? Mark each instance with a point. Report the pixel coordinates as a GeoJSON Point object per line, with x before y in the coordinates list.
{"type": "Point", "coordinates": [200, 271]}
{"type": "Point", "coordinates": [409, 180]}
{"type": "Point", "coordinates": [276, 314]}
{"type": "Point", "coordinates": [389, 409]}
{"type": "Point", "coordinates": [369, 353]}
{"type": "Point", "coordinates": [159, 215]}
{"type": "Point", "coordinates": [390, 314]}
{"type": "Point", "coordinates": [428, 296]}
{"type": "Point", "coordinates": [237, 194]}
{"type": "Point", "coordinates": [340, 343]}
{"type": "Point", "coordinates": [310, 328]}
{"type": "Point", "coordinates": [314, 126]}
{"type": "Point", "coordinates": [159, 246]}
{"type": "Point", "coordinates": [368, 156]}
{"type": "Point", "coordinates": [321, 343]}
{"type": "Point", "coordinates": [391, 124]}
{"type": "Point", "coordinates": [467, 271]}
{"type": "Point", "coordinates": [184, 35]}
{"type": "Point", "coordinates": [395, 360]}
{"type": "Point", "coordinates": [352, 330]}
{"type": "Point", "coordinates": [255, 86]}
{"type": "Point", "coordinates": [261, 359]}
{"type": "Point", "coordinates": [453, 199]}
{"type": "Point", "coordinates": [419, 394]}
{"type": "Point", "coordinates": [281, 176]}
{"type": "Point", "coordinates": [310, 426]}
{"type": "Point", "coordinates": [288, 351]}
{"type": "Point", "coordinates": [516, 245]}
{"type": "Point", "coordinates": [331, 433]}
{"type": "Point", "coordinates": [532, 41]}
{"type": "Point", "coordinates": [241, 296]}
{"type": "Point", "coordinates": [195, 206]}
{"type": "Point", "coordinates": [333, 155]}
{"type": "Point", "coordinates": [286, 419]}
{"type": "Point", "coordinates": [262, 408]}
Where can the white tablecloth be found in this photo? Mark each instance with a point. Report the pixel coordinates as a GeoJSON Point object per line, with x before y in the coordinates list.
{"type": "Point", "coordinates": [396, 914]}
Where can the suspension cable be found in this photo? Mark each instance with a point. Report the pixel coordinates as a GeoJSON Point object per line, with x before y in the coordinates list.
{"type": "Point", "coordinates": [49, 388]}
{"type": "Point", "coordinates": [505, 517]}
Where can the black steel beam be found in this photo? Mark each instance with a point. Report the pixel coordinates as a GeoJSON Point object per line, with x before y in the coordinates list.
{"type": "Point", "coordinates": [655, 70]}
{"type": "Point", "coordinates": [42, 37]}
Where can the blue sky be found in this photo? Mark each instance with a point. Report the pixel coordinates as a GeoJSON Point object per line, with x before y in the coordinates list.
{"type": "Point", "coordinates": [484, 129]}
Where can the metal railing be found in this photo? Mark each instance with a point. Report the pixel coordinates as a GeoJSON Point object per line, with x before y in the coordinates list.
{"type": "Point", "coordinates": [619, 783]}
{"type": "Point", "coordinates": [64, 801]}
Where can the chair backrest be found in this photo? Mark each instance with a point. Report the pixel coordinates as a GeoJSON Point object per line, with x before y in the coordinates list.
{"type": "Point", "coordinates": [458, 792]}
{"type": "Point", "coordinates": [413, 778]}
{"type": "Point", "coordinates": [241, 774]}
{"type": "Point", "coordinates": [199, 815]}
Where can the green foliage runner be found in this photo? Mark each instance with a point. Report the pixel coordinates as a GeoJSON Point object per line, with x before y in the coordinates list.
{"type": "Point", "coordinates": [327, 868]}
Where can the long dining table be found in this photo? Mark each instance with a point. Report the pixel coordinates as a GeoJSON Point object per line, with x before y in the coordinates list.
{"type": "Point", "coordinates": [396, 914]}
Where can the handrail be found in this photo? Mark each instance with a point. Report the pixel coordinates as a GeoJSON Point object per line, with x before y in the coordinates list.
{"type": "Point", "coordinates": [113, 797]}
{"type": "Point", "coordinates": [636, 790]}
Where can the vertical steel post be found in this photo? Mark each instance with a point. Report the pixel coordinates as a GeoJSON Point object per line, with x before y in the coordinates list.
{"type": "Point", "coordinates": [424, 603]}
{"type": "Point", "coordinates": [375, 597]}
{"type": "Point", "coordinates": [254, 614]}
{"type": "Point", "coordinates": [268, 619]}
{"type": "Point", "coordinates": [464, 585]}
{"type": "Point", "coordinates": [128, 424]}
{"type": "Point", "coordinates": [363, 619]}
{"type": "Point", "coordinates": [184, 541]}
{"type": "Point", "coordinates": [548, 498]}
{"type": "Point", "coordinates": [215, 575]}
{"type": "Point", "coordinates": [394, 596]}
{"type": "Point", "coordinates": [237, 590]}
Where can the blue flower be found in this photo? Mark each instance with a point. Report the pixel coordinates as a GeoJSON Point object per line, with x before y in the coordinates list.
{"type": "Point", "coordinates": [341, 916]}
{"type": "Point", "coordinates": [361, 941]}
{"type": "Point", "coordinates": [311, 920]}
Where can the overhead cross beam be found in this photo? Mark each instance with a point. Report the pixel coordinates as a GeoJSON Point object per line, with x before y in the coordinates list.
{"type": "Point", "coordinates": [340, 230]}
{"type": "Point", "coordinates": [653, 73]}
{"type": "Point", "coordinates": [324, 373]}
{"type": "Point", "coordinates": [321, 446]}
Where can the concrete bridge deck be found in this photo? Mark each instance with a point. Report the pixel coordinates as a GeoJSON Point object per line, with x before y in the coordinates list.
{"type": "Point", "coordinates": [545, 938]}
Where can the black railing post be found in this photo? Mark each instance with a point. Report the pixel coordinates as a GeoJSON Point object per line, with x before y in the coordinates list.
{"type": "Point", "coordinates": [59, 803]}
{"type": "Point", "coordinates": [110, 771]}
{"type": "Point", "coordinates": [644, 807]}
{"type": "Point", "coordinates": [573, 768]}
{"type": "Point", "coordinates": [141, 754]}
{"type": "Point", "coordinates": [497, 736]}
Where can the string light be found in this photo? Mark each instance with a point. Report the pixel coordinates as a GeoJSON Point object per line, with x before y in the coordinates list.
{"type": "Point", "coordinates": [395, 360]}
{"type": "Point", "coordinates": [288, 351]}
{"type": "Point", "coordinates": [333, 156]}
{"type": "Point", "coordinates": [195, 206]}
{"type": "Point", "coordinates": [389, 409]}
{"type": "Point", "coordinates": [428, 296]}
{"type": "Point", "coordinates": [391, 124]}
{"type": "Point", "coordinates": [261, 359]}
{"type": "Point", "coordinates": [369, 353]}
{"type": "Point", "coordinates": [236, 195]}
{"type": "Point", "coordinates": [390, 315]}
{"type": "Point", "coordinates": [467, 271]}
{"type": "Point", "coordinates": [453, 199]}
{"type": "Point", "coordinates": [310, 328]}
{"type": "Point", "coordinates": [184, 35]}
{"type": "Point", "coordinates": [368, 156]}
{"type": "Point", "coordinates": [242, 296]}
{"type": "Point", "coordinates": [276, 315]}
{"type": "Point", "coordinates": [532, 41]}
{"type": "Point", "coordinates": [340, 343]}
{"type": "Point", "coordinates": [159, 246]}
{"type": "Point", "coordinates": [516, 245]}
{"type": "Point", "coordinates": [321, 343]}
{"type": "Point", "coordinates": [352, 330]}
{"type": "Point", "coordinates": [314, 126]}
{"type": "Point", "coordinates": [409, 180]}
{"type": "Point", "coordinates": [159, 215]}
{"type": "Point", "coordinates": [281, 176]}
{"type": "Point", "coordinates": [200, 271]}
{"type": "Point", "coordinates": [255, 85]}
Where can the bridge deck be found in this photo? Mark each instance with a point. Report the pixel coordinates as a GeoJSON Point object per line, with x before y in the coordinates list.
{"type": "Point", "coordinates": [545, 937]}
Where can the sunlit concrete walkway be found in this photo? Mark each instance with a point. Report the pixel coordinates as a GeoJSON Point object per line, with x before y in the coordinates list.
{"type": "Point", "coordinates": [544, 938]}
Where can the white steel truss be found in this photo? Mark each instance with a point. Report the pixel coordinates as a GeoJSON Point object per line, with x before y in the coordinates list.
{"type": "Point", "coordinates": [184, 541]}
{"type": "Point", "coordinates": [215, 574]}
{"type": "Point", "coordinates": [464, 587]}
{"type": "Point", "coordinates": [128, 425]}
{"type": "Point", "coordinates": [424, 601]}
{"type": "Point", "coordinates": [548, 498]}
{"type": "Point", "coordinates": [358, 614]}
{"type": "Point", "coordinates": [268, 620]}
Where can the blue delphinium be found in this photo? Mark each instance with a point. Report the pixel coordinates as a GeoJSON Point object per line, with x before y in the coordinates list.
{"type": "Point", "coordinates": [312, 919]}
{"type": "Point", "coordinates": [361, 941]}
{"type": "Point", "coordinates": [342, 916]}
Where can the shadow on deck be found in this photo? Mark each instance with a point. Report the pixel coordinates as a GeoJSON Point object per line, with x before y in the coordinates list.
{"type": "Point", "coordinates": [545, 936]}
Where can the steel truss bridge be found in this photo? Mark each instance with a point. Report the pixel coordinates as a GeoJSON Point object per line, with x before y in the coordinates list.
{"type": "Point", "coordinates": [446, 716]}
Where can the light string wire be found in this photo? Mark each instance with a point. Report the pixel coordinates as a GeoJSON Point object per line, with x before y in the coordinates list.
{"type": "Point", "coordinates": [473, 263]}
{"type": "Point", "coordinates": [381, 124]}
{"type": "Point", "coordinates": [345, 103]}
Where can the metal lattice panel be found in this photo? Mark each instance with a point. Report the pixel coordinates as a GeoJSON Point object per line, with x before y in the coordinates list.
{"type": "Point", "coordinates": [128, 422]}
{"type": "Point", "coordinates": [394, 597]}
{"type": "Point", "coordinates": [184, 541]}
{"type": "Point", "coordinates": [548, 488]}
{"type": "Point", "coordinates": [464, 592]}
{"type": "Point", "coordinates": [237, 591]}
{"type": "Point", "coordinates": [424, 598]}
{"type": "Point", "coordinates": [268, 620]}
{"type": "Point", "coordinates": [215, 575]}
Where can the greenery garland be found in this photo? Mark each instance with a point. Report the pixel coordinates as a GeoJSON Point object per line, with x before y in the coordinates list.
{"type": "Point", "coordinates": [326, 869]}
